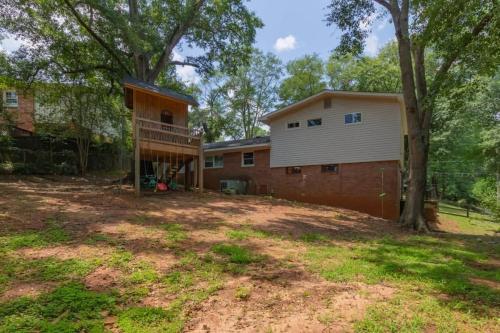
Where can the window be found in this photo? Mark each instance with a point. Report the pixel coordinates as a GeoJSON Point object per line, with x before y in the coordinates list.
{"type": "Point", "coordinates": [352, 118]}
{"type": "Point", "coordinates": [10, 98]}
{"type": "Point", "coordinates": [247, 159]}
{"type": "Point", "coordinates": [327, 103]}
{"type": "Point", "coordinates": [314, 122]}
{"type": "Point", "coordinates": [292, 125]}
{"type": "Point", "coordinates": [293, 170]}
{"type": "Point", "coordinates": [330, 168]}
{"type": "Point", "coordinates": [166, 117]}
{"type": "Point", "coordinates": [214, 162]}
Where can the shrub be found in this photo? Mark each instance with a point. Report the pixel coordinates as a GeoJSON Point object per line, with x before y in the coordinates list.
{"type": "Point", "coordinates": [484, 191]}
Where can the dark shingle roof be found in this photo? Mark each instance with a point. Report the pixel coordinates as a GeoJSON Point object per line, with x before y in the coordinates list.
{"type": "Point", "coordinates": [238, 143]}
{"type": "Point", "coordinates": [160, 90]}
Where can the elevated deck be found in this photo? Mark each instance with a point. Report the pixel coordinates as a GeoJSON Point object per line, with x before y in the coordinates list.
{"type": "Point", "coordinates": [157, 138]}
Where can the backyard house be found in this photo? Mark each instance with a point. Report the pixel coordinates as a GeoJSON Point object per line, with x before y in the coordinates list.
{"type": "Point", "coordinates": [163, 142]}
{"type": "Point", "coordinates": [336, 148]}
{"type": "Point", "coordinates": [20, 107]}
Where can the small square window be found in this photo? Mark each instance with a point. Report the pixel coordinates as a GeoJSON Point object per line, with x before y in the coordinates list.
{"type": "Point", "coordinates": [327, 103]}
{"type": "Point", "coordinates": [330, 168]}
{"type": "Point", "coordinates": [314, 122]}
{"type": "Point", "coordinates": [247, 159]}
{"type": "Point", "coordinates": [10, 98]}
{"type": "Point", "coordinates": [293, 170]}
{"type": "Point", "coordinates": [352, 118]}
{"type": "Point", "coordinates": [294, 124]}
{"type": "Point", "coordinates": [214, 162]}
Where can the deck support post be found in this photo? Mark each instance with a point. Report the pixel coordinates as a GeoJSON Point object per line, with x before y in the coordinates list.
{"type": "Point", "coordinates": [195, 172]}
{"type": "Point", "coordinates": [137, 161]}
{"type": "Point", "coordinates": [201, 164]}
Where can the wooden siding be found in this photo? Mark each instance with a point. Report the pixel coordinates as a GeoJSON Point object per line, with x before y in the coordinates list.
{"type": "Point", "coordinates": [377, 138]}
{"type": "Point", "coordinates": [150, 107]}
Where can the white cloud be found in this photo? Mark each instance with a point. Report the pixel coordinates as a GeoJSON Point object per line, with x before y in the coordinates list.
{"type": "Point", "coordinates": [372, 45]}
{"type": "Point", "coordinates": [382, 25]}
{"type": "Point", "coordinates": [186, 73]}
{"type": "Point", "coordinates": [285, 43]}
{"type": "Point", "coordinates": [10, 44]}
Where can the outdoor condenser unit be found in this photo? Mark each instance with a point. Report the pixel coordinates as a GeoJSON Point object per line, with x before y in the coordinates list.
{"type": "Point", "coordinates": [233, 186]}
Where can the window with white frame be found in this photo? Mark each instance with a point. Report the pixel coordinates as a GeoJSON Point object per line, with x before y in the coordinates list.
{"type": "Point", "coordinates": [314, 122]}
{"type": "Point", "coordinates": [216, 161]}
{"type": "Point", "coordinates": [247, 159]}
{"type": "Point", "coordinates": [10, 98]}
{"type": "Point", "coordinates": [293, 124]}
{"type": "Point", "coordinates": [352, 118]}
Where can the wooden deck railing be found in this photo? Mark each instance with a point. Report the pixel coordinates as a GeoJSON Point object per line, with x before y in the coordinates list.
{"type": "Point", "coordinates": [155, 131]}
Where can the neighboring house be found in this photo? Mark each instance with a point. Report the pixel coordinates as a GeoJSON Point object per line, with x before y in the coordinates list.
{"type": "Point", "coordinates": [335, 148]}
{"type": "Point", "coordinates": [20, 107]}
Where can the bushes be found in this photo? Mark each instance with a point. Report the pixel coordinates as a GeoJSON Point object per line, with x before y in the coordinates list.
{"type": "Point", "coordinates": [485, 192]}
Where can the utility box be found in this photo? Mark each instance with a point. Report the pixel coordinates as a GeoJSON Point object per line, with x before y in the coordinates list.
{"type": "Point", "coordinates": [232, 186]}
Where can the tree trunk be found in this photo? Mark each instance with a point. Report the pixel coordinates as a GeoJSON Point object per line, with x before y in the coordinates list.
{"type": "Point", "coordinates": [413, 212]}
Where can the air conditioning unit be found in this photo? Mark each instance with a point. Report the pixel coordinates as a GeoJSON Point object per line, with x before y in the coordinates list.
{"type": "Point", "coordinates": [231, 186]}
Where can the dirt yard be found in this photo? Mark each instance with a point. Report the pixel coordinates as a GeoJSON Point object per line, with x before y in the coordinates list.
{"type": "Point", "coordinates": [86, 256]}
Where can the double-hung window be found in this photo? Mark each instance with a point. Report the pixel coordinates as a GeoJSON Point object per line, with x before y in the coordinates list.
{"type": "Point", "coordinates": [212, 162]}
{"type": "Point", "coordinates": [10, 98]}
{"type": "Point", "coordinates": [293, 125]}
{"type": "Point", "coordinates": [247, 159]}
{"type": "Point", "coordinates": [352, 118]}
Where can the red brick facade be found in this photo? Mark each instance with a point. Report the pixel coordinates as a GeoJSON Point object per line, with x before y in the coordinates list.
{"type": "Point", "coordinates": [23, 115]}
{"type": "Point", "coordinates": [258, 177]}
{"type": "Point", "coordinates": [371, 187]}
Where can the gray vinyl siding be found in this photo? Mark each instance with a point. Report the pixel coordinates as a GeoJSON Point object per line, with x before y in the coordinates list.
{"type": "Point", "coordinates": [377, 138]}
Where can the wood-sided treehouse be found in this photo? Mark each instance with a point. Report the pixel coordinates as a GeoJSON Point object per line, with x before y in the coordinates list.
{"type": "Point", "coordinates": [166, 151]}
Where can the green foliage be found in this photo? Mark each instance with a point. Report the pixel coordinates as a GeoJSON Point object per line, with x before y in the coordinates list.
{"type": "Point", "coordinates": [243, 293]}
{"type": "Point", "coordinates": [111, 39]}
{"type": "Point", "coordinates": [485, 192]}
{"type": "Point", "coordinates": [69, 308]}
{"type": "Point", "coordinates": [149, 319]}
{"type": "Point", "coordinates": [312, 237]}
{"type": "Point", "coordinates": [51, 235]}
{"type": "Point", "coordinates": [305, 78]}
{"type": "Point", "coordinates": [375, 74]}
{"type": "Point", "coordinates": [175, 233]}
{"type": "Point", "coordinates": [247, 232]}
{"type": "Point", "coordinates": [236, 254]}
{"type": "Point", "coordinates": [121, 259]}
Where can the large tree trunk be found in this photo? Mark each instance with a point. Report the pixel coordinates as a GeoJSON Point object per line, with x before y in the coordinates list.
{"type": "Point", "coordinates": [413, 213]}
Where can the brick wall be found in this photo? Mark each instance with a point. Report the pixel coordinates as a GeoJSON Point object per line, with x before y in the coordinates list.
{"type": "Point", "coordinates": [356, 186]}
{"type": "Point", "coordinates": [23, 115]}
{"type": "Point", "coordinates": [258, 177]}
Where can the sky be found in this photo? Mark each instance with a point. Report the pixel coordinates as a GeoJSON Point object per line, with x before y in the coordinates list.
{"type": "Point", "coordinates": [292, 28]}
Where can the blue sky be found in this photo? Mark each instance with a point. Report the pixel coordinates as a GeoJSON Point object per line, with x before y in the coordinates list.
{"type": "Point", "coordinates": [292, 28]}
{"type": "Point", "coordinates": [304, 21]}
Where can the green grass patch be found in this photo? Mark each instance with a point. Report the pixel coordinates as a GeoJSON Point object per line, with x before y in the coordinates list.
{"type": "Point", "coordinates": [476, 223]}
{"type": "Point", "coordinates": [120, 259]}
{"type": "Point", "coordinates": [142, 272]}
{"type": "Point", "coordinates": [236, 254]}
{"type": "Point", "coordinates": [175, 233]}
{"type": "Point", "coordinates": [246, 233]}
{"type": "Point", "coordinates": [313, 237]}
{"type": "Point", "coordinates": [150, 319]}
{"type": "Point", "coordinates": [51, 235]}
{"type": "Point", "coordinates": [69, 308]}
{"type": "Point", "coordinates": [243, 293]}
{"type": "Point", "coordinates": [435, 264]}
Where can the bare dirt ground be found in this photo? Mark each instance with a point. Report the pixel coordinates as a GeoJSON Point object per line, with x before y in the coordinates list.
{"type": "Point", "coordinates": [280, 293]}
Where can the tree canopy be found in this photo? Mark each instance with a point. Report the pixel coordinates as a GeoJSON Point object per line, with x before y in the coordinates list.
{"type": "Point", "coordinates": [132, 37]}
{"type": "Point", "coordinates": [462, 34]}
{"type": "Point", "coordinates": [305, 78]}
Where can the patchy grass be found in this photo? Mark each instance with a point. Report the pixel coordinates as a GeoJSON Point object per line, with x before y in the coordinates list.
{"type": "Point", "coordinates": [149, 319]}
{"type": "Point", "coordinates": [243, 293]}
{"type": "Point", "coordinates": [391, 281]}
{"type": "Point", "coordinates": [236, 253]}
{"type": "Point", "coordinates": [51, 235]}
{"type": "Point", "coordinates": [313, 237]}
{"type": "Point", "coordinates": [69, 308]}
{"type": "Point", "coordinates": [175, 233]}
{"type": "Point", "coordinates": [476, 223]}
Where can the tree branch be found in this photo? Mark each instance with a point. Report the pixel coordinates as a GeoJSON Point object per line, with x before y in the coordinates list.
{"type": "Point", "coordinates": [95, 35]}
{"type": "Point", "coordinates": [453, 56]}
{"type": "Point", "coordinates": [183, 63]}
{"type": "Point", "coordinates": [174, 39]}
{"type": "Point", "coordinates": [385, 4]}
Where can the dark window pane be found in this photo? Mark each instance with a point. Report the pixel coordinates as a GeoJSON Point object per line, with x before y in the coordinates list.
{"type": "Point", "coordinates": [332, 168]}
{"type": "Point", "coordinates": [314, 122]}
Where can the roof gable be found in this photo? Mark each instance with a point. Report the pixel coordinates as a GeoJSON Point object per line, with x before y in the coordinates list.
{"type": "Point", "coordinates": [152, 89]}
